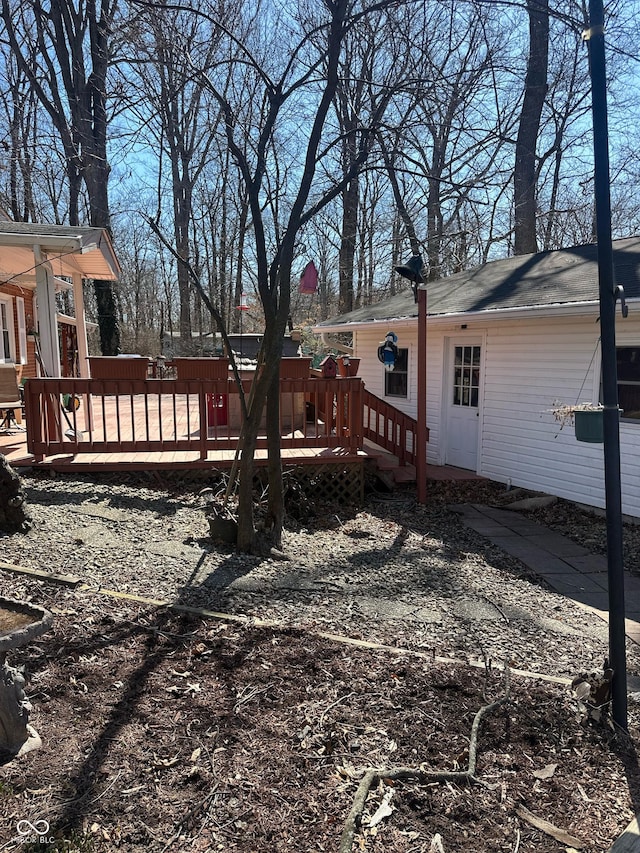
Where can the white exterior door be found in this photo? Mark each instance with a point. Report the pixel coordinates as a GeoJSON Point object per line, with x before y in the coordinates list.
{"type": "Point", "coordinates": [462, 404]}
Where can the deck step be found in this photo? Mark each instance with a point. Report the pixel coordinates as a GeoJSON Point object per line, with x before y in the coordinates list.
{"type": "Point", "coordinates": [404, 474]}
{"type": "Point", "coordinates": [388, 465]}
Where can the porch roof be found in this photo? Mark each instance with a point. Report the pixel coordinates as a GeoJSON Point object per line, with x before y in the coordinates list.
{"type": "Point", "coordinates": [71, 250]}
{"type": "Point", "coordinates": [564, 277]}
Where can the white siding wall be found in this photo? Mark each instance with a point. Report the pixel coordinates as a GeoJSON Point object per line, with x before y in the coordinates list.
{"type": "Point", "coordinates": [528, 365]}
{"type": "Point", "coordinates": [366, 343]}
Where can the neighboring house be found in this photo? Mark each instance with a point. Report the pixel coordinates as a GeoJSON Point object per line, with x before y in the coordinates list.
{"type": "Point", "coordinates": [42, 269]}
{"type": "Point", "coordinates": [505, 343]}
{"type": "Point", "coordinates": [244, 346]}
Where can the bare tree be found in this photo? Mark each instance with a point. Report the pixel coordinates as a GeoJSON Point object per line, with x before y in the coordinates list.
{"type": "Point", "coordinates": [64, 52]}
{"type": "Point", "coordinates": [350, 95]}
{"type": "Point", "coordinates": [21, 121]}
{"type": "Point", "coordinates": [140, 298]}
{"type": "Point", "coordinates": [535, 90]}
{"type": "Point", "coordinates": [178, 108]}
{"type": "Point", "coordinates": [443, 152]}
{"type": "Point", "coordinates": [311, 77]}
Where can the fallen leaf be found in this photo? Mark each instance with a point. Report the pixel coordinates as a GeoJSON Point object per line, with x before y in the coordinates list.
{"type": "Point", "coordinates": [584, 794]}
{"type": "Point", "coordinates": [546, 772]}
{"type": "Point", "coordinates": [582, 690]}
{"type": "Point", "coordinates": [195, 755]}
{"type": "Point", "coordinates": [543, 825]}
{"type": "Point", "coordinates": [384, 810]}
{"type": "Point", "coordinates": [347, 770]}
{"type": "Point", "coordinates": [165, 762]}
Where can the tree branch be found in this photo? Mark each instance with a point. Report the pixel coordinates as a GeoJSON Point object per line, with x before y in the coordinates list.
{"type": "Point", "coordinates": [372, 777]}
{"type": "Point", "coordinates": [209, 304]}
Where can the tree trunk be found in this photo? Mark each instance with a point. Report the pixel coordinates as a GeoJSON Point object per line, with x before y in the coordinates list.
{"type": "Point", "coordinates": [13, 512]}
{"type": "Point", "coordinates": [262, 383]}
{"type": "Point", "coordinates": [434, 228]}
{"type": "Point", "coordinates": [181, 221]}
{"type": "Point", "coordinates": [96, 179]}
{"type": "Point", "coordinates": [524, 175]}
{"type": "Point", "coordinates": [275, 500]}
{"type": "Point", "coordinates": [350, 199]}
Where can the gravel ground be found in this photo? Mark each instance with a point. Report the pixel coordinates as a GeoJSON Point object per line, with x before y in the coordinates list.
{"type": "Point", "coordinates": [393, 572]}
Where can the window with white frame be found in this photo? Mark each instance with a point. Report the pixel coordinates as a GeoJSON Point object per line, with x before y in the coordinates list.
{"type": "Point", "coordinates": [7, 340]}
{"type": "Point", "coordinates": [22, 329]}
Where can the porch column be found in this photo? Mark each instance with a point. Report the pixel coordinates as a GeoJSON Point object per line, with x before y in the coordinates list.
{"type": "Point", "coordinates": [83, 345]}
{"type": "Point", "coordinates": [47, 324]}
{"type": "Point", "coordinates": [81, 326]}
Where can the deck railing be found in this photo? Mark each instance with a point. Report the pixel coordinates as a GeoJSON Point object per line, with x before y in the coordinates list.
{"type": "Point", "coordinates": [390, 428]}
{"type": "Point", "coordinates": [164, 415]}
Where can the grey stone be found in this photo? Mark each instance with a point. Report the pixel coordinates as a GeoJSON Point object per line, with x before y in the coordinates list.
{"type": "Point", "coordinates": [533, 503]}
{"type": "Point", "coordinates": [175, 549]}
{"type": "Point", "coordinates": [109, 513]}
{"type": "Point", "coordinates": [95, 535]}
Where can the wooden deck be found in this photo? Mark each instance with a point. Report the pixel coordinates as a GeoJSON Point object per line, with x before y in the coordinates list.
{"type": "Point", "coordinates": [166, 424]}
{"type": "Point", "coordinates": [14, 447]}
{"type": "Point", "coordinates": [163, 425]}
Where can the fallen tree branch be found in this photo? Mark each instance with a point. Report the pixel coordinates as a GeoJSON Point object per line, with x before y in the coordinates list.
{"type": "Point", "coordinates": [373, 776]}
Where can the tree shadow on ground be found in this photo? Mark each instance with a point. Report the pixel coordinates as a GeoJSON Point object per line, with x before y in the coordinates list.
{"type": "Point", "coordinates": [98, 496]}
{"type": "Point", "coordinates": [165, 632]}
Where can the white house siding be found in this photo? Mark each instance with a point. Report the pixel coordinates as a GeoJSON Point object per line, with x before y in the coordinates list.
{"type": "Point", "coordinates": [528, 364]}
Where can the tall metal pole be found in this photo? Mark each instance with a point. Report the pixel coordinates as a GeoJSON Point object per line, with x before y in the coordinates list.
{"type": "Point", "coordinates": [607, 290]}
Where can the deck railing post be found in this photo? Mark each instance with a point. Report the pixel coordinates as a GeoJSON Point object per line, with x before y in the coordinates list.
{"type": "Point", "coordinates": [204, 429]}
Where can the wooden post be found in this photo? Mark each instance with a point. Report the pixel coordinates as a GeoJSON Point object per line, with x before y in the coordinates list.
{"type": "Point", "coordinates": [421, 437]}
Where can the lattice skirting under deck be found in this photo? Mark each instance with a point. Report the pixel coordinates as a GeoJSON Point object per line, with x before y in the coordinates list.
{"type": "Point", "coordinates": [328, 482]}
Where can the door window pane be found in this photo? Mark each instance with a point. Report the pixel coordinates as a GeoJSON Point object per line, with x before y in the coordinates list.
{"type": "Point", "coordinates": [466, 376]}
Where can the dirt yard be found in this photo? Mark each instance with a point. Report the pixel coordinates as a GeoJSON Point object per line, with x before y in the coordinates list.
{"type": "Point", "coordinates": [166, 729]}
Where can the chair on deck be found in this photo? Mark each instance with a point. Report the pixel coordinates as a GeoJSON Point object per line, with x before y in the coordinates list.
{"type": "Point", "coordinates": [10, 398]}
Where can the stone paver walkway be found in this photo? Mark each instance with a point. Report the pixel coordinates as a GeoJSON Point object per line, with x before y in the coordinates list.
{"type": "Point", "coordinates": [567, 567]}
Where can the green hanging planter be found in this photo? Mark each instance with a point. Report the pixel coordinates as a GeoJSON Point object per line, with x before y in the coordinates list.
{"type": "Point", "coordinates": [590, 425]}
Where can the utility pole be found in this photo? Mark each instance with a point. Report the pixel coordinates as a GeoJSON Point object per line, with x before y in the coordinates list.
{"type": "Point", "coordinates": [609, 294]}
